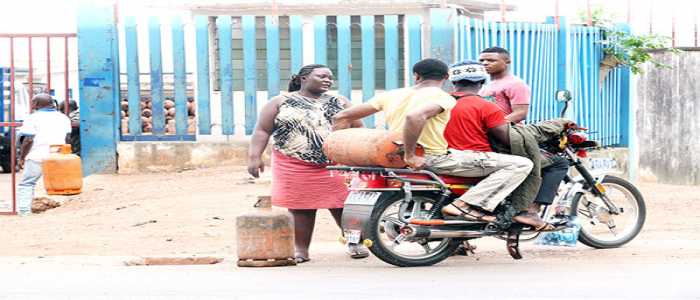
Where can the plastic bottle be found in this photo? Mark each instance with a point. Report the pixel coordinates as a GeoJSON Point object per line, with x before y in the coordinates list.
{"type": "Point", "coordinates": [565, 237]}
{"type": "Point", "coordinates": [563, 207]}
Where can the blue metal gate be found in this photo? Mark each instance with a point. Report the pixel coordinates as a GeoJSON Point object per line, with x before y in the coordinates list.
{"type": "Point", "coordinates": [239, 56]}
{"type": "Point", "coordinates": [536, 50]}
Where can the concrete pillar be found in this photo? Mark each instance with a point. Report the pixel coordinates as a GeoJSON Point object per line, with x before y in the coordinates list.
{"type": "Point", "coordinates": [99, 88]}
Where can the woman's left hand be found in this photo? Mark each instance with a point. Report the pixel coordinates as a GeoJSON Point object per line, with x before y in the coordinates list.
{"type": "Point", "coordinates": [255, 167]}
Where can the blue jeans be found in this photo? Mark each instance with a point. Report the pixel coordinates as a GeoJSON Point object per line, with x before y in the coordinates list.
{"type": "Point", "coordinates": [25, 189]}
{"type": "Point", "coordinates": [552, 175]}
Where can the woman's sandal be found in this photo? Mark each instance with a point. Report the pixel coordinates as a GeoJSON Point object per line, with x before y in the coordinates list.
{"type": "Point", "coordinates": [301, 259]}
{"type": "Point", "coordinates": [357, 251]}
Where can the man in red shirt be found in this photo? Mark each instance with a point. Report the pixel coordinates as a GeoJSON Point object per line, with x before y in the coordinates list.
{"type": "Point", "coordinates": [472, 121]}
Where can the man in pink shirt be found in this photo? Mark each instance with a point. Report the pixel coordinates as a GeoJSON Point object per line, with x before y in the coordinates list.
{"type": "Point", "coordinates": [512, 95]}
{"type": "Point", "coordinates": [508, 91]}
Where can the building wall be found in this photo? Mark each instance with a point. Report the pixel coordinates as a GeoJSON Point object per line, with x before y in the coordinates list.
{"type": "Point", "coordinates": [667, 119]}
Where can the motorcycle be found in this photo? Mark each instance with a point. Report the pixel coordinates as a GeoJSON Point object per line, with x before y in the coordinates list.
{"type": "Point", "coordinates": [396, 212]}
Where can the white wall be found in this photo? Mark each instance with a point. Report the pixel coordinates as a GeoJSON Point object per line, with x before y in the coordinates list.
{"type": "Point", "coordinates": [642, 13]}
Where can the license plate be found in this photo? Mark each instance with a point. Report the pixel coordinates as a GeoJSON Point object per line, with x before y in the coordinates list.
{"type": "Point", "coordinates": [352, 236]}
{"type": "Point", "coordinates": [362, 198]}
{"type": "Point", "coordinates": [602, 164]}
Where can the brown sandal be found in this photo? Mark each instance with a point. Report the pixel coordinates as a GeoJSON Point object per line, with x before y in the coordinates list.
{"type": "Point", "coordinates": [534, 221]}
{"type": "Point", "coordinates": [476, 215]}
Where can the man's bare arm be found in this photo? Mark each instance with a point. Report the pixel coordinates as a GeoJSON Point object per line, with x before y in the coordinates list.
{"type": "Point", "coordinates": [415, 121]}
{"type": "Point", "coordinates": [519, 113]}
{"type": "Point", "coordinates": [346, 117]}
{"type": "Point", "coordinates": [501, 134]}
{"type": "Point", "coordinates": [27, 143]}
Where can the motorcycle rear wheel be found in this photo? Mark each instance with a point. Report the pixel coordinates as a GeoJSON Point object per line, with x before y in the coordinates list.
{"type": "Point", "coordinates": [382, 228]}
{"type": "Point", "coordinates": [594, 235]}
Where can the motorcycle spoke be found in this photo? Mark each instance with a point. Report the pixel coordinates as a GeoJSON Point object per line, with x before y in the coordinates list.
{"type": "Point", "coordinates": [397, 241]}
{"type": "Point", "coordinates": [586, 213]}
{"type": "Point", "coordinates": [393, 220]}
{"type": "Point", "coordinates": [426, 247]}
{"type": "Point", "coordinates": [417, 206]}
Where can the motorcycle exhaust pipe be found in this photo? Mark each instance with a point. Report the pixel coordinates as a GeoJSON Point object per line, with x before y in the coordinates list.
{"type": "Point", "coordinates": [423, 232]}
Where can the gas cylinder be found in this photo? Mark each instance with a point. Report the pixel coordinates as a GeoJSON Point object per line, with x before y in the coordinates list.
{"type": "Point", "coordinates": [366, 147]}
{"type": "Point", "coordinates": [63, 173]}
{"type": "Point", "coordinates": [265, 236]}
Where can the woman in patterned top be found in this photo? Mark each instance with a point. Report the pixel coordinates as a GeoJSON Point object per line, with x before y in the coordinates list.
{"type": "Point", "coordinates": [298, 123]}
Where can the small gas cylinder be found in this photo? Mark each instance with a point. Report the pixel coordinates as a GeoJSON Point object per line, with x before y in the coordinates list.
{"type": "Point", "coordinates": [366, 147]}
{"type": "Point", "coordinates": [63, 173]}
{"type": "Point", "coordinates": [265, 236]}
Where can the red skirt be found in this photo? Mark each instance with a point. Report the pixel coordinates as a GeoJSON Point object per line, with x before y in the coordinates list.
{"type": "Point", "coordinates": [297, 184]}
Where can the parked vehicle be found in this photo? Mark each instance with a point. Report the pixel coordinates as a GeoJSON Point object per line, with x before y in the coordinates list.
{"type": "Point", "coordinates": [21, 109]}
{"type": "Point", "coordinates": [397, 212]}
{"type": "Point", "coordinates": [5, 152]}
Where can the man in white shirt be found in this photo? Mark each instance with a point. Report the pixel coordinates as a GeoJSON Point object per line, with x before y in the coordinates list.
{"type": "Point", "coordinates": [43, 128]}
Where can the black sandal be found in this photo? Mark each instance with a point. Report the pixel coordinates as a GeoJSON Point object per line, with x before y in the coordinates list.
{"type": "Point", "coordinates": [465, 249]}
{"type": "Point", "coordinates": [513, 243]}
{"type": "Point", "coordinates": [472, 214]}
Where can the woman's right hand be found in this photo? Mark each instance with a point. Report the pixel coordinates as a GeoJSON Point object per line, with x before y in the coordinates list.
{"type": "Point", "coordinates": [255, 167]}
{"type": "Point", "coordinates": [414, 162]}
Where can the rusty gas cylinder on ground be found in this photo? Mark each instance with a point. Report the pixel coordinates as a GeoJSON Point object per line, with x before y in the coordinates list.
{"type": "Point", "coordinates": [265, 236]}
{"type": "Point", "coordinates": [366, 147]}
{"type": "Point", "coordinates": [62, 170]}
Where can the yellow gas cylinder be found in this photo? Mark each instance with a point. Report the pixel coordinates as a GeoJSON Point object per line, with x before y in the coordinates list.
{"type": "Point", "coordinates": [265, 236]}
{"type": "Point", "coordinates": [63, 174]}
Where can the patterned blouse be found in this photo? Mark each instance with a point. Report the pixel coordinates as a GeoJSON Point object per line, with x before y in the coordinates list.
{"type": "Point", "coordinates": [302, 124]}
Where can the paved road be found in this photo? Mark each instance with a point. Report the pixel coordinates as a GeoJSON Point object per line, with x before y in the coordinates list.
{"type": "Point", "coordinates": [490, 275]}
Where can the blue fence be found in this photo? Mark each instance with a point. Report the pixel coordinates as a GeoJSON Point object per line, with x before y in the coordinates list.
{"type": "Point", "coordinates": [367, 53]}
{"type": "Point", "coordinates": [153, 125]}
{"type": "Point", "coordinates": [536, 50]}
{"type": "Point", "coordinates": [533, 54]}
{"type": "Point", "coordinates": [603, 107]}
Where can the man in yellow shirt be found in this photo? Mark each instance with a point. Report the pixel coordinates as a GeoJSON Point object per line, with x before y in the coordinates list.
{"type": "Point", "coordinates": [422, 113]}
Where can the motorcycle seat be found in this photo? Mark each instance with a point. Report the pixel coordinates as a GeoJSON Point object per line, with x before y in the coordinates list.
{"type": "Point", "coordinates": [448, 179]}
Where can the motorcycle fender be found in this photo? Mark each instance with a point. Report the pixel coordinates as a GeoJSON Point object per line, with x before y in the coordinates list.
{"type": "Point", "coordinates": [356, 213]}
{"type": "Point", "coordinates": [578, 187]}
{"type": "Point", "coordinates": [599, 176]}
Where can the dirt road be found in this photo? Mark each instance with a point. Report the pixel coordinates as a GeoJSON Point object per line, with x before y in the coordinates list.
{"type": "Point", "coordinates": [193, 213]}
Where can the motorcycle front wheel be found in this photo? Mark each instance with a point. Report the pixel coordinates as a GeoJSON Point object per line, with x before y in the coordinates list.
{"type": "Point", "coordinates": [383, 230]}
{"type": "Point", "coordinates": [599, 228]}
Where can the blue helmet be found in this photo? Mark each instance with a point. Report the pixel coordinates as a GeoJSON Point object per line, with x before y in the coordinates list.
{"type": "Point", "coordinates": [468, 70]}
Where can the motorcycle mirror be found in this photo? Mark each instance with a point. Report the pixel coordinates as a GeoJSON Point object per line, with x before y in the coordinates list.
{"type": "Point", "coordinates": [563, 95]}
